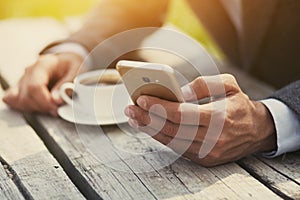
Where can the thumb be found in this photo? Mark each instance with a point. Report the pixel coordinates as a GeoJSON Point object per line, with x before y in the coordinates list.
{"type": "Point", "coordinates": [210, 86]}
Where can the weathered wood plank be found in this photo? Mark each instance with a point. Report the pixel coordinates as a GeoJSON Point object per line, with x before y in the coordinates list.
{"type": "Point", "coordinates": [288, 165]}
{"type": "Point", "coordinates": [8, 189]}
{"type": "Point", "coordinates": [274, 176]}
{"type": "Point", "coordinates": [179, 182]}
{"type": "Point", "coordinates": [226, 182]}
{"type": "Point", "coordinates": [35, 171]}
{"type": "Point", "coordinates": [182, 179]}
{"type": "Point", "coordinates": [109, 183]}
{"type": "Point", "coordinates": [190, 176]}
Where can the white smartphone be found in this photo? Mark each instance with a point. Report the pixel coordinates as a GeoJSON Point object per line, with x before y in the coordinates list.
{"type": "Point", "coordinates": [152, 79]}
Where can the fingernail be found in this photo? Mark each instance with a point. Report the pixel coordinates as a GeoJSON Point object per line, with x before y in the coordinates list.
{"type": "Point", "coordinates": [142, 102]}
{"type": "Point", "coordinates": [133, 123]}
{"type": "Point", "coordinates": [188, 93]}
{"type": "Point", "coordinates": [129, 112]}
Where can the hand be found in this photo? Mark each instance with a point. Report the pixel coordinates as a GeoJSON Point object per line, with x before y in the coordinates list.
{"type": "Point", "coordinates": [37, 90]}
{"type": "Point", "coordinates": [248, 126]}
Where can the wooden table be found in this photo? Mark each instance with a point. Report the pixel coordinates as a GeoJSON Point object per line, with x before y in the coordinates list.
{"type": "Point", "coordinates": [43, 157]}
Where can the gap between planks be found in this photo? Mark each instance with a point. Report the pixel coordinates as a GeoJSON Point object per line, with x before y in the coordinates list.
{"type": "Point", "coordinates": [33, 170]}
{"type": "Point", "coordinates": [226, 181]}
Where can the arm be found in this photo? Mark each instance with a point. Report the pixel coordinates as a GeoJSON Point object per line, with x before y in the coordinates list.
{"type": "Point", "coordinates": [111, 17]}
{"type": "Point", "coordinates": [37, 89]}
{"type": "Point", "coordinates": [290, 95]}
{"type": "Point", "coordinates": [114, 16]}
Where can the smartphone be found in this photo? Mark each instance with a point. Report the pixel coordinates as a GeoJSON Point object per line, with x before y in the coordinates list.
{"type": "Point", "coordinates": [152, 79]}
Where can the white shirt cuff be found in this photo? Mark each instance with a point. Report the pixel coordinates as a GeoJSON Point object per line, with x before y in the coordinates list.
{"type": "Point", "coordinates": [72, 47]}
{"type": "Point", "coordinates": [287, 125]}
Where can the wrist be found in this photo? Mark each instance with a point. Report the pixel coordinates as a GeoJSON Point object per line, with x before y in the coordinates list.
{"type": "Point", "coordinates": [68, 58]}
{"type": "Point", "coordinates": [265, 128]}
{"type": "Point", "coordinates": [72, 48]}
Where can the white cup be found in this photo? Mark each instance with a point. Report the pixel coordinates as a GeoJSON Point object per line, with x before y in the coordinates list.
{"type": "Point", "coordinates": [97, 93]}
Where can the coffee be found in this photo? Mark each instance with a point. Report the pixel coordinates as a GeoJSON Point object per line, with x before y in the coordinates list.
{"type": "Point", "coordinates": [103, 102]}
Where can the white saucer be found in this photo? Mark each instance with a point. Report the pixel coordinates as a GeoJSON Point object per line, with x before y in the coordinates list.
{"type": "Point", "coordinates": [66, 113]}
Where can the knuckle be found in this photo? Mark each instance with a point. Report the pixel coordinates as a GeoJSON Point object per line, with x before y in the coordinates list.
{"type": "Point", "coordinates": [176, 116]}
{"type": "Point", "coordinates": [155, 108]}
{"type": "Point", "coordinates": [170, 130]}
{"type": "Point", "coordinates": [146, 118]}
{"type": "Point", "coordinates": [198, 80]}
{"type": "Point", "coordinates": [220, 143]}
{"type": "Point", "coordinates": [214, 155]}
{"type": "Point", "coordinates": [228, 123]}
{"type": "Point", "coordinates": [229, 79]}
{"type": "Point", "coordinates": [245, 97]}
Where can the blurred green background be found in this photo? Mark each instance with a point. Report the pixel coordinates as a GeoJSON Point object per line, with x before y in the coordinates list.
{"type": "Point", "coordinates": [180, 15]}
{"type": "Point", "coordinates": [35, 8]}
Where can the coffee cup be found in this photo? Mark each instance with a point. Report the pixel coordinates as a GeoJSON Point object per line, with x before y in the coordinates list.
{"type": "Point", "coordinates": [99, 94]}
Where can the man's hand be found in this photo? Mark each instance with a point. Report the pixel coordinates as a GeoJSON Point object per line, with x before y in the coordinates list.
{"type": "Point", "coordinates": [248, 125]}
{"type": "Point", "coordinates": [37, 90]}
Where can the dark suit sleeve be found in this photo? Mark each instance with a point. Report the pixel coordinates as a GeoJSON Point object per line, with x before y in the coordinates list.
{"type": "Point", "coordinates": [290, 95]}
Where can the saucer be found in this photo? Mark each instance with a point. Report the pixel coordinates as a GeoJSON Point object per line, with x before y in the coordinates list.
{"type": "Point", "coordinates": [66, 113]}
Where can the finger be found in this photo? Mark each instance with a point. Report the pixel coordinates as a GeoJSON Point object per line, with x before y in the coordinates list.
{"type": "Point", "coordinates": [178, 145]}
{"type": "Point", "coordinates": [185, 132]}
{"type": "Point", "coordinates": [35, 96]}
{"type": "Point", "coordinates": [55, 90]}
{"type": "Point", "coordinates": [210, 86]}
{"type": "Point", "coordinates": [33, 92]}
{"type": "Point", "coordinates": [26, 105]}
{"type": "Point", "coordinates": [178, 113]}
{"type": "Point", "coordinates": [11, 96]}
{"type": "Point", "coordinates": [42, 98]}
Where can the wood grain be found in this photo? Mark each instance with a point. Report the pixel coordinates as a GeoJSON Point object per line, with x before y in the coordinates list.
{"type": "Point", "coordinates": [8, 189]}
{"type": "Point", "coordinates": [181, 180]}
{"type": "Point", "coordinates": [276, 175]}
{"type": "Point", "coordinates": [29, 165]}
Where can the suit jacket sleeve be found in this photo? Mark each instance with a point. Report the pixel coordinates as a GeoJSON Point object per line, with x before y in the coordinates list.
{"type": "Point", "coordinates": [290, 95]}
